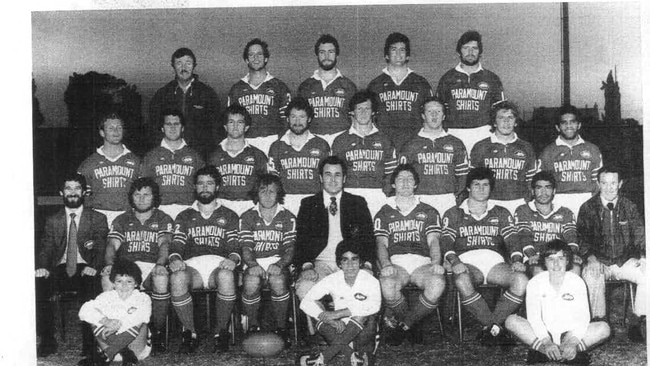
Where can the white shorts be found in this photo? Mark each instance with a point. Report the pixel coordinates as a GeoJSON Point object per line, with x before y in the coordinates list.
{"type": "Point", "coordinates": [292, 202]}
{"type": "Point", "coordinates": [375, 198]}
{"type": "Point", "coordinates": [110, 215]}
{"type": "Point", "coordinates": [441, 202]}
{"type": "Point", "coordinates": [470, 136]}
{"type": "Point", "coordinates": [238, 206]}
{"type": "Point", "coordinates": [329, 137]}
{"type": "Point", "coordinates": [410, 262]}
{"type": "Point", "coordinates": [266, 262]}
{"type": "Point", "coordinates": [174, 209]}
{"type": "Point", "coordinates": [263, 142]}
{"type": "Point", "coordinates": [483, 259]}
{"type": "Point", "coordinates": [145, 268]}
{"type": "Point", "coordinates": [511, 205]}
{"type": "Point", "coordinates": [572, 201]}
{"type": "Point", "coordinates": [205, 265]}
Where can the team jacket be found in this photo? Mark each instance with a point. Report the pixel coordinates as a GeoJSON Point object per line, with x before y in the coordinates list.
{"type": "Point", "coordinates": [513, 164]}
{"type": "Point", "coordinates": [238, 173]}
{"type": "Point", "coordinates": [109, 180]}
{"type": "Point", "coordinates": [195, 235]}
{"type": "Point", "coordinates": [575, 168]}
{"type": "Point", "coordinates": [441, 163]}
{"type": "Point", "coordinates": [173, 171]}
{"type": "Point", "coordinates": [267, 239]}
{"type": "Point", "coordinates": [370, 159]}
{"type": "Point", "coordinates": [266, 104]}
{"type": "Point", "coordinates": [400, 105]}
{"type": "Point", "coordinates": [535, 229]}
{"type": "Point", "coordinates": [200, 108]}
{"type": "Point", "coordinates": [407, 231]}
{"type": "Point", "coordinates": [469, 97]}
{"type": "Point", "coordinates": [298, 169]}
{"type": "Point", "coordinates": [330, 102]}
{"type": "Point", "coordinates": [139, 242]}
{"type": "Point", "coordinates": [628, 231]}
{"type": "Point", "coordinates": [463, 232]}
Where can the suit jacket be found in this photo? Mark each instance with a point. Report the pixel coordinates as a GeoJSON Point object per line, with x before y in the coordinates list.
{"type": "Point", "coordinates": [91, 239]}
{"type": "Point", "coordinates": [312, 227]}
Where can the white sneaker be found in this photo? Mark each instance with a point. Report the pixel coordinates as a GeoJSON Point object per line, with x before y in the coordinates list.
{"type": "Point", "coordinates": [359, 359]}
{"type": "Point", "coordinates": [312, 360]}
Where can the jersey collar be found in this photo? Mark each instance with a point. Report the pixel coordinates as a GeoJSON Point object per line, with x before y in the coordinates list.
{"type": "Point", "coordinates": [392, 202]}
{"type": "Point", "coordinates": [354, 131]}
{"type": "Point", "coordinates": [165, 145]}
{"type": "Point", "coordinates": [560, 142]}
{"type": "Point", "coordinates": [554, 209]}
{"type": "Point", "coordinates": [465, 207]}
{"type": "Point", "coordinates": [247, 79]}
{"type": "Point", "coordinates": [285, 138]}
{"type": "Point", "coordinates": [422, 134]}
{"type": "Point", "coordinates": [316, 76]}
{"type": "Point", "coordinates": [461, 70]}
{"type": "Point", "coordinates": [223, 147]}
{"type": "Point", "coordinates": [125, 151]}
{"type": "Point", "coordinates": [495, 140]}
{"type": "Point", "coordinates": [397, 82]}
{"type": "Point", "coordinates": [278, 209]}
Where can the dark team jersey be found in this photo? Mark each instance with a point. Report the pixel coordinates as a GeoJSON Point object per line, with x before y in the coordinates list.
{"type": "Point", "coordinates": [195, 235]}
{"type": "Point", "coordinates": [267, 239]}
{"type": "Point", "coordinates": [298, 169]}
{"type": "Point", "coordinates": [513, 164]}
{"type": "Point", "coordinates": [238, 173]}
{"type": "Point", "coordinates": [109, 180]}
{"type": "Point", "coordinates": [463, 232]}
{"type": "Point", "coordinates": [575, 168]}
{"type": "Point", "coordinates": [407, 232]}
{"type": "Point", "coordinates": [535, 229]}
{"type": "Point", "coordinates": [441, 163]}
{"type": "Point", "coordinates": [400, 105]}
{"type": "Point", "coordinates": [266, 104]}
{"type": "Point", "coordinates": [370, 159]}
{"type": "Point", "coordinates": [468, 98]}
{"type": "Point", "coordinates": [330, 102]}
{"type": "Point", "coordinates": [138, 241]}
{"type": "Point", "coordinates": [174, 172]}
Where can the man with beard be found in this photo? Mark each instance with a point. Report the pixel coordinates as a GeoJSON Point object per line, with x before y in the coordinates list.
{"type": "Point", "coordinates": [204, 254]}
{"type": "Point", "coordinates": [264, 96]}
{"type": "Point", "coordinates": [142, 235]}
{"type": "Point", "coordinates": [469, 91]}
{"type": "Point", "coordinates": [196, 100]}
{"type": "Point", "coordinates": [401, 92]}
{"type": "Point", "coordinates": [172, 165]}
{"type": "Point", "coordinates": [110, 170]}
{"type": "Point", "coordinates": [328, 91]}
{"type": "Point", "coordinates": [540, 221]}
{"type": "Point", "coordinates": [297, 154]}
{"type": "Point", "coordinates": [573, 161]}
{"type": "Point", "coordinates": [238, 162]}
{"type": "Point", "coordinates": [367, 151]}
{"type": "Point", "coordinates": [70, 254]}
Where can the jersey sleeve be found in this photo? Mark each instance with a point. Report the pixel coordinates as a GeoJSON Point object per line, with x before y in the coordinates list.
{"type": "Point", "coordinates": [284, 100]}
{"type": "Point", "coordinates": [569, 231]}
{"type": "Point", "coordinates": [166, 226]}
{"type": "Point", "coordinates": [449, 232]}
{"type": "Point", "coordinates": [117, 230]}
{"type": "Point", "coordinates": [499, 94]}
{"type": "Point", "coordinates": [524, 231]}
{"type": "Point", "coordinates": [509, 234]}
{"type": "Point", "coordinates": [381, 225]}
{"type": "Point", "coordinates": [179, 237]}
{"type": "Point", "coordinates": [432, 225]}
{"type": "Point", "coordinates": [232, 236]}
{"type": "Point", "coordinates": [289, 236]}
{"type": "Point", "coordinates": [461, 166]}
{"type": "Point", "coordinates": [246, 227]}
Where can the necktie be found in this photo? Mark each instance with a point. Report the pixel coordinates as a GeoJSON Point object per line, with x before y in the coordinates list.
{"type": "Point", "coordinates": [610, 206]}
{"type": "Point", "coordinates": [71, 252]}
{"type": "Point", "coordinates": [333, 206]}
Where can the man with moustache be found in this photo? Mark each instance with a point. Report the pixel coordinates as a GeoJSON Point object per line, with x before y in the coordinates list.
{"type": "Point", "coordinates": [70, 254]}
{"type": "Point", "coordinates": [204, 254]}
{"type": "Point", "coordinates": [439, 158]}
{"type": "Point", "coordinates": [573, 161]}
{"type": "Point", "coordinates": [295, 157]}
{"type": "Point", "coordinates": [196, 100]}
{"type": "Point", "coordinates": [264, 96]}
{"type": "Point", "coordinates": [172, 165]}
{"type": "Point", "coordinates": [469, 91]}
{"type": "Point", "coordinates": [328, 91]}
{"type": "Point", "coordinates": [401, 92]}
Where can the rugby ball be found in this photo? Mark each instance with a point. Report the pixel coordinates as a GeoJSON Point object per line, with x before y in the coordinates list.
{"type": "Point", "coordinates": [263, 344]}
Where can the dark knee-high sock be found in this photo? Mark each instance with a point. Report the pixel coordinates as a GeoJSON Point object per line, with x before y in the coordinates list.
{"type": "Point", "coordinates": [224, 307]}
{"type": "Point", "coordinates": [341, 342]}
{"type": "Point", "coordinates": [477, 305]}
{"type": "Point", "coordinates": [422, 308]}
{"type": "Point", "coordinates": [251, 307]}
{"type": "Point", "coordinates": [507, 304]}
{"type": "Point", "coordinates": [399, 307]}
{"type": "Point", "coordinates": [184, 308]}
{"type": "Point", "coordinates": [159, 309]}
{"type": "Point", "coordinates": [280, 308]}
{"type": "Point", "coordinates": [116, 342]}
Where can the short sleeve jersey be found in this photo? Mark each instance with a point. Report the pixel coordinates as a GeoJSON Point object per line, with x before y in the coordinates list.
{"type": "Point", "coordinates": [370, 159]}
{"type": "Point", "coordinates": [267, 239]}
{"type": "Point", "coordinates": [535, 229]}
{"type": "Point", "coordinates": [513, 164]}
{"type": "Point", "coordinates": [330, 102]}
{"type": "Point", "coordinates": [575, 168]}
{"type": "Point", "coordinates": [400, 104]}
{"type": "Point", "coordinates": [298, 169]}
{"type": "Point", "coordinates": [495, 230]}
{"type": "Point", "coordinates": [109, 180]}
{"type": "Point", "coordinates": [469, 97]}
{"type": "Point", "coordinates": [407, 232]}
{"type": "Point", "coordinates": [195, 235]}
{"type": "Point", "coordinates": [238, 173]}
{"type": "Point", "coordinates": [138, 241]}
{"type": "Point", "coordinates": [441, 163]}
{"type": "Point", "coordinates": [174, 172]}
{"type": "Point", "coordinates": [266, 104]}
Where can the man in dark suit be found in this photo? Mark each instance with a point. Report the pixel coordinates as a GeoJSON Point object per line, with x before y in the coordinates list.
{"type": "Point", "coordinates": [324, 220]}
{"type": "Point", "coordinates": [70, 254]}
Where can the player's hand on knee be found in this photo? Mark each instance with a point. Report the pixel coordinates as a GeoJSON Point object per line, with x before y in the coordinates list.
{"type": "Point", "coordinates": [534, 260]}
{"type": "Point", "coordinates": [42, 272]}
{"type": "Point", "coordinates": [88, 271]}
{"type": "Point", "coordinates": [387, 271]}
{"type": "Point", "coordinates": [274, 270]}
{"type": "Point", "coordinates": [159, 270]}
{"type": "Point", "coordinates": [459, 268]}
{"type": "Point", "coordinates": [309, 275]}
{"type": "Point", "coordinates": [438, 269]}
{"type": "Point", "coordinates": [227, 264]}
{"type": "Point", "coordinates": [256, 271]}
{"type": "Point", "coordinates": [177, 265]}
{"type": "Point", "coordinates": [106, 271]}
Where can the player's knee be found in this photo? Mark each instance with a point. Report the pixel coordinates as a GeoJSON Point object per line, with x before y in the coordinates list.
{"type": "Point", "coordinates": [225, 276]}
{"type": "Point", "coordinates": [518, 283]}
{"type": "Point", "coordinates": [278, 283]}
{"type": "Point", "coordinates": [252, 285]}
{"type": "Point", "coordinates": [512, 322]}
